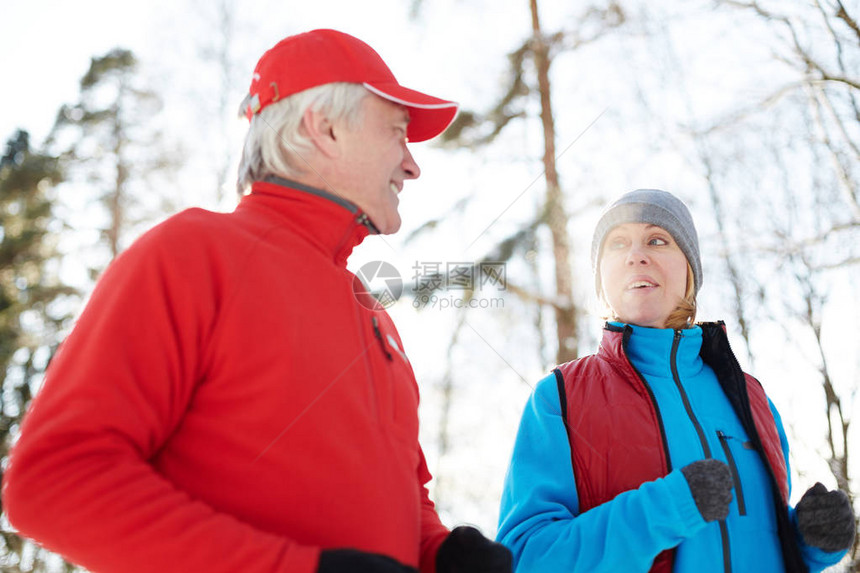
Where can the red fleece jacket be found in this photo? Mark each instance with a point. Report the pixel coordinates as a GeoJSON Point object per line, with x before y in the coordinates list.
{"type": "Point", "coordinates": [225, 404]}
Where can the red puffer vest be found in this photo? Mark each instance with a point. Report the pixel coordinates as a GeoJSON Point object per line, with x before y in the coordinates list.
{"type": "Point", "coordinates": [616, 449]}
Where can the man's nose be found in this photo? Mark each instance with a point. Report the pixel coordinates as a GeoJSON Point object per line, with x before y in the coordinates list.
{"type": "Point", "coordinates": [409, 165]}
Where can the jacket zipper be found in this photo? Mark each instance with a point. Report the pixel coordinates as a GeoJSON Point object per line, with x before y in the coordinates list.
{"type": "Point", "coordinates": [363, 219]}
{"type": "Point", "coordinates": [717, 353]}
{"type": "Point", "coordinates": [378, 335]}
{"type": "Point", "coordinates": [724, 530]}
{"type": "Point", "coordinates": [736, 476]}
{"type": "Point", "coordinates": [366, 344]}
{"type": "Point", "coordinates": [684, 398]}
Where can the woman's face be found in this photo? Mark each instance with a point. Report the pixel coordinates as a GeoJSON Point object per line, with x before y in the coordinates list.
{"type": "Point", "coordinates": [643, 274]}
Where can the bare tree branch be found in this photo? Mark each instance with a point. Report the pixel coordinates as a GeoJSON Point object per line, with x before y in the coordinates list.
{"type": "Point", "coordinates": [439, 490]}
{"type": "Point", "coordinates": [837, 423]}
{"type": "Point", "coordinates": [728, 259]}
{"type": "Point", "coordinates": [847, 184]}
{"type": "Point", "coordinates": [811, 63]}
{"type": "Point", "coordinates": [840, 49]}
{"type": "Point", "coordinates": [842, 14]}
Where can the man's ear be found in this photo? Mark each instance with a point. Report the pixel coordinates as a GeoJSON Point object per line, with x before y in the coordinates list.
{"type": "Point", "coordinates": [321, 131]}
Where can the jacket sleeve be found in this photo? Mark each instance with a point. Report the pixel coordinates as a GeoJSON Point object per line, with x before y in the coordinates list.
{"type": "Point", "coordinates": [540, 519]}
{"type": "Point", "coordinates": [80, 480]}
{"type": "Point", "coordinates": [815, 558]}
{"type": "Point", "coordinates": [433, 533]}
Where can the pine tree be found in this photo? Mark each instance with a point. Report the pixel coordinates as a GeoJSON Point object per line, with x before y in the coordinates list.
{"type": "Point", "coordinates": [33, 309]}
{"type": "Point", "coordinates": [110, 141]}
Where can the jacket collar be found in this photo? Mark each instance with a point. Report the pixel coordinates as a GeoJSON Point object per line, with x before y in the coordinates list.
{"type": "Point", "coordinates": [714, 349]}
{"type": "Point", "coordinates": [332, 224]}
{"type": "Point", "coordinates": [656, 351]}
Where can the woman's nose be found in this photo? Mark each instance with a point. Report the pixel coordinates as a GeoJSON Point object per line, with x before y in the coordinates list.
{"type": "Point", "coordinates": [637, 255]}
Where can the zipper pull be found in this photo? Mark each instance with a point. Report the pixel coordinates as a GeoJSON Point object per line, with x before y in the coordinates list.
{"type": "Point", "coordinates": [378, 335]}
{"type": "Point", "coordinates": [363, 219]}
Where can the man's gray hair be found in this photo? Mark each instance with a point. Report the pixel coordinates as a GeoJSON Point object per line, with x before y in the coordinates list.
{"type": "Point", "coordinates": [275, 145]}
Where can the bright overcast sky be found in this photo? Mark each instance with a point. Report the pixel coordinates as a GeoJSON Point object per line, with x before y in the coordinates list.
{"type": "Point", "coordinates": [46, 45]}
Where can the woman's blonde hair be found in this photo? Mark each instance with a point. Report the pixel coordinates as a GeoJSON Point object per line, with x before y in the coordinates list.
{"type": "Point", "coordinates": [684, 315]}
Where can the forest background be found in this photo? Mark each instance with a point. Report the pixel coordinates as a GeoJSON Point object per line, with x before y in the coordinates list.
{"type": "Point", "coordinates": [116, 116]}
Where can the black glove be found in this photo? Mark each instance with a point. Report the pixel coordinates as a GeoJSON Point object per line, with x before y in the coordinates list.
{"type": "Point", "coordinates": [710, 482]}
{"type": "Point", "coordinates": [465, 550]}
{"type": "Point", "coordinates": [825, 519]}
{"type": "Point", "coordinates": [354, 561]}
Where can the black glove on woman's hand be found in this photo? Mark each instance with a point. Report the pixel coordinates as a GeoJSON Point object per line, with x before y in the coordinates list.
{"type": "Point", "coordinates": [353, 561]}
{"type": "Point", "coordinates": [710, 482]}
{"type": "Point", "coordinates": [825, 519]}
{"type": "Point", "coordinates": [465, 550]}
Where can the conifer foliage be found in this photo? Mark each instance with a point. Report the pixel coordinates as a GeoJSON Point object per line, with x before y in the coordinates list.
{"type": "Point", "coordinates": [32, 307]}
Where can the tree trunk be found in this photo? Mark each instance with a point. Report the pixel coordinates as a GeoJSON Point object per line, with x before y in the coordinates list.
{"type": "Point", "coordinates": [115, 198]}
{"type": "Point", "coordinates": [556, 216]}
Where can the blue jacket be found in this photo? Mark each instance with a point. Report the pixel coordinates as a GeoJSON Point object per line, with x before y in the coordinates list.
{"type": "Point", "coordinates": [540, 519]}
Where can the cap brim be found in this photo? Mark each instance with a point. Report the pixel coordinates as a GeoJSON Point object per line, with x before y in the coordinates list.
{"type": "Point", "coordinates": [428, 116]}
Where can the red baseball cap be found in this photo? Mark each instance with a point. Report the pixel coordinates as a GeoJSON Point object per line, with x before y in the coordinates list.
{"type": "Point", "coordinates": [319, 57]}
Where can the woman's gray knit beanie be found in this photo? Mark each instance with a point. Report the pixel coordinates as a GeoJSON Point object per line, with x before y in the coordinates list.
{"type": "Point", "coordinates": [653, 207]}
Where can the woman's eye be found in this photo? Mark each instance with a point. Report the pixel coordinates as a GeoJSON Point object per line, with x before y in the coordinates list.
{"type": "Point", "coordinates": [658, 241]}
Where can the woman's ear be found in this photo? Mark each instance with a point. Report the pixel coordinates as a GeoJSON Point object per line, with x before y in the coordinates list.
{"type": "Point", "coordinates": [321, 131]}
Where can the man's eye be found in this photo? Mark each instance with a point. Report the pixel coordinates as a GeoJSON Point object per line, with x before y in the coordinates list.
{"type": "Point", "coordinates": [659, 241]}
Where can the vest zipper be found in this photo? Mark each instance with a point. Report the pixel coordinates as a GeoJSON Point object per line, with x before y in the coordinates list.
{"type": "Point", "coordinates": [663, 438]}
{"type": "Point", "coordinates": [724, 530]}
{"type": "Point", "coordinates": [736, 476]}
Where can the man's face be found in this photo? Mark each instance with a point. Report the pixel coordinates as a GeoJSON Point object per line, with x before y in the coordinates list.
{"type": "Point", "coordinates": [375, 162]}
